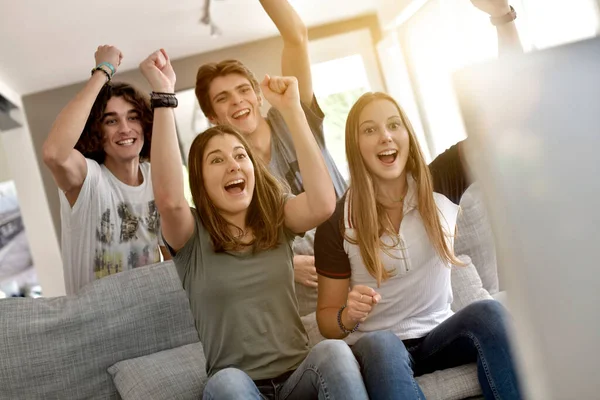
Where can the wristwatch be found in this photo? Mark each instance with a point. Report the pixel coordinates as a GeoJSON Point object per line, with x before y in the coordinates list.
{"type": "Point", "coordinates": [504, 19]}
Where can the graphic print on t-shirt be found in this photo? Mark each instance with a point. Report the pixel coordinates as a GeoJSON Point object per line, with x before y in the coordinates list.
{"type": "Point", "coordinates": [129, 223]}
{"type": "Point", "coordinates": [135, 246]}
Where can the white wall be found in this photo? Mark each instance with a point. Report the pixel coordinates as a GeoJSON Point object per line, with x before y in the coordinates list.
{"type": "Point", "coordinates": [20, 158]}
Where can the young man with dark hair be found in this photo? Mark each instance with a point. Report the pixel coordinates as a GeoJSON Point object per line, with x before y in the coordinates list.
{"type": "Point", "coordinates": [97, 151]}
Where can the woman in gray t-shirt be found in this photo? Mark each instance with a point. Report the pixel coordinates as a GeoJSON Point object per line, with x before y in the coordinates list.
{"type": "Point", "coordinates": [233, 251]}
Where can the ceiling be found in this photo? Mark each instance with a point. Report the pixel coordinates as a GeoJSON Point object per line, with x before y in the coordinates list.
{"type": "Point", "coordinates": [44, 45]}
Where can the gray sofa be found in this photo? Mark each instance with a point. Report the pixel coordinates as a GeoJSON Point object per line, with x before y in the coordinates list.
{"type": "Point", "coordinates": [132, 336]}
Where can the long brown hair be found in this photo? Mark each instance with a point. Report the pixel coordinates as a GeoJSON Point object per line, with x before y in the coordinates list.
{"type": "Point", "coordinates": [265, 213]}
{"type": "Point", "coordinates": [91, 141]}
{"type": "Point", "coordinates": [368, 216]}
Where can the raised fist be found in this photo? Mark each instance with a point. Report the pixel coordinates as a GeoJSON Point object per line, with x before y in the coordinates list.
{"type": "Point", "coordinates": [157, 69]}
{"type": "Point", "coordinates": [108, 54]}
{"type": "Point", "coordinates": [281, 91]}
{"type": "Point", "coordinates": [495, 8]}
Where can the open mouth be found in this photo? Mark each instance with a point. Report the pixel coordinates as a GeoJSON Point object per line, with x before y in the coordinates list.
{"type": "Point", "coordinates": [235, 187]}
{"type": "Point", "coordinates": [241, 114]}
{"type": "Point", "coordinates": [126, 142]}
{"type": "Point", "coordinates": [388, 156]}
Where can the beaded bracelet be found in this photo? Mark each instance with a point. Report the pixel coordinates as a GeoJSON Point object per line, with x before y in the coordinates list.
{"type": "Point", "coordinates": [108, 77]}
{"type": "Point", "coordinates": [341, 324]}
{"type": "Point", "coordinates": [109, 65]}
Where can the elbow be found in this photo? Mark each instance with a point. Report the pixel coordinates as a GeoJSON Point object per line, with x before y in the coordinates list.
{"type": "Point", "coordinates": [50, 155]}
{"type": "Point", "coordinates": [166, 203]}
{"type": "Point", "coordinates": [326, 208]}
{"type": "Point", "coordinates": [323, 326]}
{"type": "Point", "coordinates": [297, 36]}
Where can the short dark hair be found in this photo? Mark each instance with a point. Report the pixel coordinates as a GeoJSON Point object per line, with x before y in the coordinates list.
{"type": "Point", "coordinates": [209, 72]}
{"type": "Point", "coordinates": [90, 143]}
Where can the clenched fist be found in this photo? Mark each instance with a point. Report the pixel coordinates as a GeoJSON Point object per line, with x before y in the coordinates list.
{"type": "Point", "coordinates": [108, 54]}
{"type": "Point", "coordinates": [360, 303]}
{"type": "Point", "coordinates": [281, 91]}
{"type": "Point", "coordinates": [157, 69]}
{"type": "Point", "coordinates": [495, 8]}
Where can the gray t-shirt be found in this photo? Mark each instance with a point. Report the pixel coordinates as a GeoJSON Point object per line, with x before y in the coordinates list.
{"type": "Point", "coordinates": [244, 305]}
{"type": "Point", "coordinates": [284, 162]}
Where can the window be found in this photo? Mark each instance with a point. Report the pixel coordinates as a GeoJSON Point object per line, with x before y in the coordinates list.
{"type": "Point", "coordinates": [463, 36]}
{"type": "Point", "coordinates": [341, 74]}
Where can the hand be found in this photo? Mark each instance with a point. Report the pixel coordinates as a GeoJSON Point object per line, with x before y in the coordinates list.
{"type": "Point", "coordinates": [495, 8]}
{"type": "Point", "coordinates": [281, 91]}
{"type": "Point", "coordinates": [360, 303]}
{"type": "Point", "coordinates": [109, 54]}
{"type": "Point", "coordinates": [305, 272]}
{"type": "Point", "coordinates": [157, 69]}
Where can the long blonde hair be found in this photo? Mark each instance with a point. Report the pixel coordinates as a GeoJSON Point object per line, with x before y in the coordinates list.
{"type": "Point", "coordinates": [265, 212]}
{"type": "Point", "coordinates": [368, 216]}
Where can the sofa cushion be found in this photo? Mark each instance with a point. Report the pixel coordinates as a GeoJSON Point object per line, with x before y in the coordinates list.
{"type": "Point", "coordinates": [466, 285]}
{"type": "Point", "coordinates": [475, 237]}
{"type": "Point", "coordinates": [175, 374]}
{"type": "Point", "coordinates": [451, 384]}
{"type": "Point", "coordinates": [61, 347]}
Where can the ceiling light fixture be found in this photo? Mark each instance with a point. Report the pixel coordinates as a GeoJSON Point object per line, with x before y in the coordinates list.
{"type": "Point", "coordinates": [207, 20]}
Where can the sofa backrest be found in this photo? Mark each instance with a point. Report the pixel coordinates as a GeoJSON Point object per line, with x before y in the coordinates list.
{"type": "Point", "coordinates": [475, 238]}
{"type": "Point", "coordinates": [60, 348]}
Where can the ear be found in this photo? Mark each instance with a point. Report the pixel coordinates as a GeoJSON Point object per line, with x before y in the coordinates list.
{"type": "Point", "coordinates": [260, 99]}
{"type": "Point", "coordinates": [213, 120]}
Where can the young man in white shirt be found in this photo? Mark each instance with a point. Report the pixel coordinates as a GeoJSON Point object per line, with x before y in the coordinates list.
{"type": "Point", "coordinates": [97, 151]}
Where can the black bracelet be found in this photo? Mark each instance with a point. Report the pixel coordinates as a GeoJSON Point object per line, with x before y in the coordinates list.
{"type": "Point", "coordinates": [341, 324]}
{"type": "Point", "coordinates": [108, 77]}
{"type": "Point", "coordinates": [162, 99]}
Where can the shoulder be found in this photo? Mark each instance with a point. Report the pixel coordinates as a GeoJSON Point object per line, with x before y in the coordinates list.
{"type": "Point", "coordinates": [331, 259]}
{"type": "Point", "coordinates": [335, 223]}
{"type": "Point", "coordinates": [449, 157]}
{"type": "Point", "coordinates": [93, 168]}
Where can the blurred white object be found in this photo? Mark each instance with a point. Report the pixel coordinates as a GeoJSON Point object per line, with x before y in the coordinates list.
{"type": "Point", "coordinates": [534, 131]}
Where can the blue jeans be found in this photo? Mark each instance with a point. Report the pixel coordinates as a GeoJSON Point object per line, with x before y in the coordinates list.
{"type": "Point", "coordinates": [330, 371]}
{"type": "Point", "coordinates": [475, 333]}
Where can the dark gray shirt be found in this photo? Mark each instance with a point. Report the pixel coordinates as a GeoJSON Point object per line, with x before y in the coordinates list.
{"type": "Point", "coordinates": [244, 306]}
{"type": "Point", "coordinates": [284, 162]}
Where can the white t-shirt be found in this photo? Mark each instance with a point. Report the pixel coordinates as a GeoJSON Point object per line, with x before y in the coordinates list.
{"type": "Point", "coordinates": [112, 227]}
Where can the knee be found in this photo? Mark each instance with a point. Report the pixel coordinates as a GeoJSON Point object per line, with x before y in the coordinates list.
{"type": "Point", "coordinates": [380, 343]}
{"type": "Point", "coordinates": [485, 316]}
{"type": "Point", "coordinates": [228, 383]}
{"type": "Point", "coordinates": [333, 349]}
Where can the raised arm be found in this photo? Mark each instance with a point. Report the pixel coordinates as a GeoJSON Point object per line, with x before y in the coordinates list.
{"type": "Point", "coordinates": [68, 165]}
{"type": "Point", "coordinates": [295, 60]}
{"type": "Point", "coordinates": [508, 36]}
{"type": "Point", "coordinates": [317, 202]}
{"type": "Point", "coordinates": [177, 221]}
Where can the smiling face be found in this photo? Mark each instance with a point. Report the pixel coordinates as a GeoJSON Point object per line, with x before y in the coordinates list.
{"type": "Point", "coordinates": [122, 132]}
{"type": "Point", "coordinates": [383, 140]}
{"type": "Point", "coordinates": [228, 174]}
{"type": "Point", "coordinates": [235, 103]}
